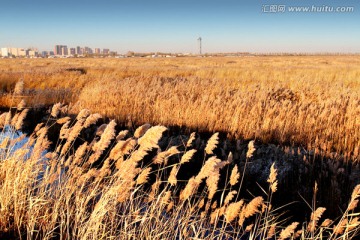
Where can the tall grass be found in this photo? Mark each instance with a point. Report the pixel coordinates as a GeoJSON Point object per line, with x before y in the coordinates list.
{"type": "Point", "coordinates": [127, 186]}
{"type": "Point", "coordinates": [275, 99]}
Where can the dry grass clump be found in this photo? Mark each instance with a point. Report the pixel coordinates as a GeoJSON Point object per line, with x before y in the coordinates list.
{"type": "Point", "coordinates": [134, 190]}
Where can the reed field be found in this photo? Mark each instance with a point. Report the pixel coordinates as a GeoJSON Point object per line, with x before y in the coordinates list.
{"type": "Point", "coordinates": [309, 101]}
{"type": "Point", "coordinates": [263, 147]}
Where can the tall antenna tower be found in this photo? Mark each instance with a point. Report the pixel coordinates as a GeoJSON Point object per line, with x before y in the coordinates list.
{"type": "Point", "coordinates": [199, 40]}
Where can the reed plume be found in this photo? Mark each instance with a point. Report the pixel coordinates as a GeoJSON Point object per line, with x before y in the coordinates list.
{"type": "Point", "coordinates": [251, 149]}
{"type": "Point", "coordinates": [140, 131]}
{"type": "Point", "coordinates": [20, 121]}
{"type": "Point", "coordinates": [19, 88]}
{"type": "Point", "coordinates": [273, 178]}
{"type": "Point", "coordinates": [314, 219]}
{"type": "Point", "coordinates": [21, 105]}
{"type": "Point", "coordinates": [288, 231]}
{"type": "Point", "coordinates": [235, 175]}
{"type": "Point", "coordinates": [212, 143]}
{"type": "Point", "coordinates": [233, 210]}
{"type": "Point", "coordinates": [92, 119]}
{"type": "Point", "coordinates": [187, 156]}
{"type": "Point", "coordinates": [56, 109]}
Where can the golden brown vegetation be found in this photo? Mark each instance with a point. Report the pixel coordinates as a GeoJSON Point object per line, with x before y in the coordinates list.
{"type": "Point", "coordinates": [310, 101]}
{"type": "Point", "coordinates": [68, 194]}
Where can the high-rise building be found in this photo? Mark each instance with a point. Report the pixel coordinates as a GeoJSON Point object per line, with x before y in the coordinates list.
{"type": "Point", "coordinates": [106, 51]}
{"type": "Point", "coordinates": [61, 50]}
{"type": "Point", "coordinates": [78, 51]}
{"type": "Point", "coordinates": [64, 51]}
{"type": "Point", "coordinates": [72, 51]}
{"type": "Point", "coordinates": [5, 52]}
{"type": "Point", "coordinates": [88, 50]}
{"type": "Point", "coordinates": [57, 49]}
{"type": "Point", "coordinates": [97, 50]}
{"type": "Point", "coordinates": [32, 53]}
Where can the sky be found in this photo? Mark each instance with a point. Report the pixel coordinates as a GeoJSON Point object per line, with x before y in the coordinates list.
{"type": "Point", "coordinates": [175, 25]}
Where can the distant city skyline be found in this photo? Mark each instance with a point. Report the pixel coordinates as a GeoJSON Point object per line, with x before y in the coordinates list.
{"type": "Point", "coordinates": [174, 26]}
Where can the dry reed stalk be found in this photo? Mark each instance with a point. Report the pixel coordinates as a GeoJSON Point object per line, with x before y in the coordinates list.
{"type": "Point", "coordinates": [20, 121]}
{"type": "Point", "coordinates": [314, 219]}
{"type": "Point", "coordinates": [172, 180]}
{"type": "Point", "coordinates": [353, 204]}
{"type": "Point", "coordinates": [190, 188]}
{"type": "Point", "coordinates": [92, 119]}
{"type": "Point", "coordinates": [65, 130]}
{"type": "Point", "coordinates": [122, 148]}
{"type": "Point", "coordinates": [104, 171]}
{"type": "Point", "coordinates": [230, 158]}
{"type": "Point", "coordinates": [187, 156]}
{"type": "Point", "coordinates": [170, 206]}
{"type": "Point", "coordinates": [72, 133]}
{"type": "Point", "coordinates": [7, 118]}
{"type": "Point", "coordinates": [326, 223]}
{"type": "Point", "coordinates": [5, 143]}
{"type": "Point", "coordinates": [83, 114]}
{"type": "Point", "coordinates": [211, 171]}
{"type": "Point", "coordinates": [235, 175]}
{"type": "Point", "coordinates": [143, 176]}
{"type": "Point", "coordinates": [251, 149]}
{"type": "Point", "coordinates": [340, 227]}
{"type": "Point", "coordinates": [271, 232]}
{"type": "Point", "coordinates": [140, 131]}
{"type": "Point", "coordinates": [100, 130]}
{"type": "Point", "coordinates": [162, 157]}
{"type": "Point", "coordinates": [106, 138]}
{"type": "Point", "coordinates": [14, 119]}
{"type": "Point", "coordinates": [17, 140]}
{"type": "Point", "coordinates": [212, 143]}
{"type": "Point", "coordinates": [41, 144]}
{"type": "Point", "coordinates": [122, 134]}
{"type": "Point", "coordinates": [192, 138]}
{"type": "Point", "coordinates": [233, 210]}
{"type": "Point", "coordinates": [208, 168]}
{"type": "Point", "coordinates": [354, 223]}
{"type": "Point", "coordinates": [356, 192]}
{"type": "Point", "coordinates": [56, 109]}
{"type": "Point", "coordinates": [201, 203]}
{"type": "Point", "coordinates": [212, 182]}
{"type": "Point", "coordinates": [249, 227]}
{"type": "Point", "coordinates": [154, 190]}
{"type": "Point", "coordinates": [253, 206]}
{"type": "Point", "coordinates": [229, 197]}
{"type": "Point", "coordinates": [138, 155]}
{"type": "Point", "coordinates": [80, 153]}
{"type": "Point", "coordinates": [273, 178]}
{"type": "Point", "coordinates": [2, 119]}
{"type": "Point", "coordinates": [69, 161]}
{"type": "Point", "coordinates": [242, 215]}
{"type": "Point", "coordinates": [288, 231]}
{"type": "Point", "coordinates": [19, 88]}
{"type": "Point", "coordinates": [63, 120]}
{"type": "Point", "coordinates": [21, 105]}
{"type": "Point", "coordinates": [151, 138]}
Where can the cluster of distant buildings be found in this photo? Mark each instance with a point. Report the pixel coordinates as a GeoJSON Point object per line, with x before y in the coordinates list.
{"type": "Point", "coordinates": [19, 52]}
{"type": "Point", "coordinates": [59, 51]}
{"type": "Point", "coordinates": [63, 50]}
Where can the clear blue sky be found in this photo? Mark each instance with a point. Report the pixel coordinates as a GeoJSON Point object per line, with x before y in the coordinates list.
{"type": "Point", "coordinates": [174, 25]}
